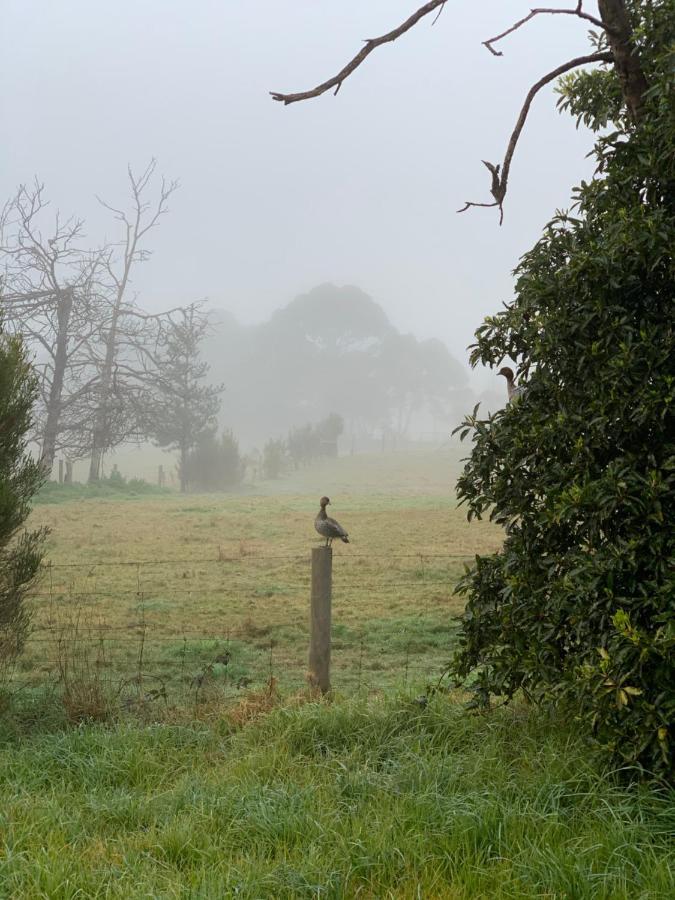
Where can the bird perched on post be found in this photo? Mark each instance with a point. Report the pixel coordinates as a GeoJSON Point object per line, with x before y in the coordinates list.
{"type": "Point", "coordinates": [327, 527]}
{"type": "Point", "coordinates": [512, 389]}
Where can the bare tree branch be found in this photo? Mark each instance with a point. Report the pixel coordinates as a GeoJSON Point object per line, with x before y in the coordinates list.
{"type": "Point", "coordinates": [500, 181]}
{"type": "Point", "coordinates": [499, 173]}
{"type": "Point", "coordinates": [370, 45]}
{"type": "Point", "coordinates": [542, 11]}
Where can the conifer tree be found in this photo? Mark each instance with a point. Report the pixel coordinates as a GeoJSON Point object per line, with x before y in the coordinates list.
{"type": "Point", "coordinates": [21, 550]}
{"type": "Point", "coordinates": [184, 406]}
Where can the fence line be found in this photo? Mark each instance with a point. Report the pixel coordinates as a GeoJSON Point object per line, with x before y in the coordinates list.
{"type": "Point", "coordinates": [148, 592]}
{"type": "Point", "coordinates": [222, 627]}
{"type": "Point", "coordinates": [50, 564]}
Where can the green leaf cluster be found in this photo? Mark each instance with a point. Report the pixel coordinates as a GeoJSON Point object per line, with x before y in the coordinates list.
{"type": "Point", "coordinates": [578, 608]}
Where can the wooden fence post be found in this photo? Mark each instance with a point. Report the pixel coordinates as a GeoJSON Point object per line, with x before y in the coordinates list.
{"type": "Point", "coordinates": [320, 618]}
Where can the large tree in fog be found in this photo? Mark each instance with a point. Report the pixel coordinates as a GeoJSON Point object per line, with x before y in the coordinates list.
{"type": "Point", "coordinates": [330, 350]}
{"type": "Point", "coordinates": [332, 320]}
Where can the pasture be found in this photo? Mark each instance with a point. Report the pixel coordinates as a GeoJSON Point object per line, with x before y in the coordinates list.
{"type": "Point", "coordinates": [218, 585]}
{"type": "Point", "coordinates": [209, 780]}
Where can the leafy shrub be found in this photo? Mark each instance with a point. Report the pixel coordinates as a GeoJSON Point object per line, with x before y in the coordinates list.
{"type": "Point", "coordinates": [579, 606]}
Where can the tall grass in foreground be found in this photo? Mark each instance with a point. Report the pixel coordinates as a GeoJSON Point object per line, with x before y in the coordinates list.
{"type": "Point", "coordinates": [361, 798]}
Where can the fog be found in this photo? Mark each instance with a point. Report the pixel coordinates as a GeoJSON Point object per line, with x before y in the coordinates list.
{"type": "Point", "coordinates": [360, 189]}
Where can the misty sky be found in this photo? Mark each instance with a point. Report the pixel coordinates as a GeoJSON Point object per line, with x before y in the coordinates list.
{"type": "Point", "coordinates": [360, 188]}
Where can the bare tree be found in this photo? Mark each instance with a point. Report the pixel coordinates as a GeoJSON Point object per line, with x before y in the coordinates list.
{"type": "Point", "coordinates": [614, 22]}
{"type": "Point", "coordinates": [50, 288]}
{"type": "Point", "coordinates": [88, 336]}
{"type": "Point", "coordinates": [142, 216]}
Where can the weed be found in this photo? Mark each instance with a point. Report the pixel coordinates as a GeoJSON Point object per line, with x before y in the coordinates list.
{"type": "Point", "coordinates": [88, 692]}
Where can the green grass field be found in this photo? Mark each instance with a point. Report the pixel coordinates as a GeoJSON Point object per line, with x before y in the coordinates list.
{"type": "Point", "coordinates": [183, 581]}
{"type": "Point", "coordinates": [361, 798]}
{"type": "Point", "coordinates": [180, 623]}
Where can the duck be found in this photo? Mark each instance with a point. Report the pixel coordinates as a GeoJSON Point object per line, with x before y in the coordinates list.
{"type": "Point", "coordinates": [512, 389]}
{"type": "Point", "coordinates": [327, 527]}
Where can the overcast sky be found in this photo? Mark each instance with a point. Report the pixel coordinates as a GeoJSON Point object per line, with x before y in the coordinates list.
{"type": "Point", "coordinates": [360, 188]}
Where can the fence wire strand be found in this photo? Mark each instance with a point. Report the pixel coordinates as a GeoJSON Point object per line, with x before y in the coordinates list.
{"type": "Point", "coordinates": [260, 639]}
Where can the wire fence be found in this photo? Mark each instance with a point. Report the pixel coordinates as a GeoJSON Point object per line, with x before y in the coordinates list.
{"type": "Point", "coordinates": [172, 630]}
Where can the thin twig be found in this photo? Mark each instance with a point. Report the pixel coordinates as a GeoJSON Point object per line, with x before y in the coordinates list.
{"type": "Point", "coordinates": [370, 45]}
{"type": "Point", "coordinates": [470, 203]}
{"type": "Point", "coordinates": [537, 12]}
{"type": "Point", "coordinates": [438, 14]}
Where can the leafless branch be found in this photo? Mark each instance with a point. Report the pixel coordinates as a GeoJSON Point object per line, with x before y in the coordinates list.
{"type": "Point", "coordinates": [578, 12]}
{"type": "Point", "coordinates": [499, 173]}
{"type": "Point", "coordinates": [370, 45]}
{"type": "Point", "coordinates": [500, 179]}
{"type": "Point", "coordinates": [469, 204]}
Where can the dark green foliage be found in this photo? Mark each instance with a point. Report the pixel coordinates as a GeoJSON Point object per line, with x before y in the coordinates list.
{"type": "Point", "coordinates": [215, 464]}
{"type": "Point", "coordinates": [20, 478]}
{"type": "Point", "coordinates": [580, 604]}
